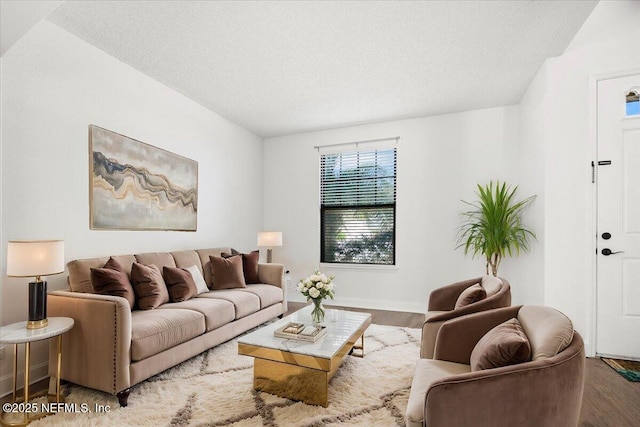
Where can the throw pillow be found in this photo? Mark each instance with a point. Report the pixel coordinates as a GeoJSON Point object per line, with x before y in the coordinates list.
{"type": "Point", "coordinates": [112, 280]}
{"type": "Point", "coordinates": [180, 283]}
{"type": "Point", "coordinates": [506, 344]}
{"type": "Point", "coordinates": [249, 265]}
{"type": "Point", "coordinates": [196, 275]}
{"type": "Point", "coordinates": [227, 272]}
{"type": "Point", "coordinates": [473, 293]}
{"type": "Point", "coordinates": [149, 286]}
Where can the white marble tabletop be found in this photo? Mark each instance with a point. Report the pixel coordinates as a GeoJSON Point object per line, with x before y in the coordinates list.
{"type": "Point", "coordinates": [17, 333]}
{"type": "Point", "coordinates": [341, 325]}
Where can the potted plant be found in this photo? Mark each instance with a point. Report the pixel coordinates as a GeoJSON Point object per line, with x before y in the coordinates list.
{"type": "Point", "coordinates": [493, 227]}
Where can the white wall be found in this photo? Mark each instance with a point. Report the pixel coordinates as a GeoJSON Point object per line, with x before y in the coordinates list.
{"type": "Point", "coordinates": [53, 86]}
{"type": "Point", "coordinates": [555, 128]}
{"type": "Point", "coordinates": [440, 160]}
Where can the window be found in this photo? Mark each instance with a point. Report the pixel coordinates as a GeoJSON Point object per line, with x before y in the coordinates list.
{"type": "Point", "coordinates": [633, 103]}
{"type": "Point", "coordinates": [358, 207]}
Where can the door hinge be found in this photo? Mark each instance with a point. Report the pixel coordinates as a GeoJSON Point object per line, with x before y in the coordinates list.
{"type": "Point", "coordinates": [593, 172]}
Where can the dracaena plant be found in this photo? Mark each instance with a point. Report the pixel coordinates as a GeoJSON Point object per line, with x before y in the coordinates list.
{"type": "Point", "coordinates": [493, 227]}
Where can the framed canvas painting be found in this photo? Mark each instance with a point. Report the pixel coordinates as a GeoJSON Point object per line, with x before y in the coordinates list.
{"type": "Point", "coordinates": [136, 186]}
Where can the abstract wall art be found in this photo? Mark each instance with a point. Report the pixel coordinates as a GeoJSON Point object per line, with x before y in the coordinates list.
{"type": "Point", "coordinates": [136, 186]}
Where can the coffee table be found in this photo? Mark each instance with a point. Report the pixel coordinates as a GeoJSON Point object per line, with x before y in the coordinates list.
{"type": "Point", "coordinates": [301, 370]}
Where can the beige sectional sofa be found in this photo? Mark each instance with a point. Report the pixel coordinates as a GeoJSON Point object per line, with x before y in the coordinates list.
{"type": "Point", "coordinates": [112, 347]}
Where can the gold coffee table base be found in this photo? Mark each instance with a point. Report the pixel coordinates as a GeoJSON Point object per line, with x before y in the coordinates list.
{"type": "Point", "coordinates": [299, 376]}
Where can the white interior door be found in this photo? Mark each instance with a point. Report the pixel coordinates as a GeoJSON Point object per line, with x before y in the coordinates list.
{"type": "Point", "coordinates": [618, 221]}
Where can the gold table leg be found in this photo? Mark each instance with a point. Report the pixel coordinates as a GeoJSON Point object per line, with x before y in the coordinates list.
{"type": "Point", "coordinates": [308, 385]}
{"type": "Point", "coordinates": [26, 419]}
{"type": "Point", "coordinates": [359, 347]}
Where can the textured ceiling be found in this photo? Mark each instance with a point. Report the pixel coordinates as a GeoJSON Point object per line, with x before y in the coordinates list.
{"type": "Point", "coordinates": [279, 68]}
{"type": "Point", "coordinates": [18, 17]}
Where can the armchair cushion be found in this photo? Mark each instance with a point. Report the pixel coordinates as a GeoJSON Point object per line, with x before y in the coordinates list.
{"type": "Point", "coordinates": [470, 295]}
{"type": "Point", "coordinates": [504, 345]}
{"type": "Point", "coordinates": [425, 374]}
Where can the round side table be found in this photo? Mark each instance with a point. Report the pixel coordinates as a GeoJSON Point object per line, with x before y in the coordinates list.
{"type": "Point", "coordinates": [17, 333]}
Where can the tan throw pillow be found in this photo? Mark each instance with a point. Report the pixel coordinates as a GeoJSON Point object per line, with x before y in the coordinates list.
{"type": "Point", "coordinates": [504, 345]}
{"type": "Point", "coordinates": [149, 286]}
{"type": "Point", "coordinates": [249, 265]}
{"type": "Point", "coordinates": [180, 283]}
{"type": "Point", "coordinates": [201, 285]}
{"type": "Point", "coordinates": [473, 293]}
{"type": "Point", "coordinates": [112, 280]}
{"type": "Point", "coordinates": [227, 272]}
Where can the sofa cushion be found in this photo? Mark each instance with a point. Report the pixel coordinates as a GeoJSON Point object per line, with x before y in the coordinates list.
{"type": "Point", "coordinates": [204, 255]}
{"type": "Point", "coordinates": [112, 280]}
{"type": "Point", "coordinates": [149, 286]}
{"type": "Point", "coordinates": [153, 331]}
{"type": "Point", "coordinates": [80, 271]}
{"type": "Point", "coordinates": [227, 272]}
{"type": "Point", "coordinates": [216, 312]}
{"type": "Point", "coordinates": [184, 259]}
{"type": "Point", "coordinates": [268, 294]}
{"type": "Point", "coordinates": [426, 373]}
{"type": "Point", "coordinates": [491, 285]}
{"type": "Point", "coordinates": [549, 331]}
{"type": "Point", "coordinates": [159, 259]}
{"type": "Point", "coordinates": [180, 284]}
{"type": "Point", "coordinates": [196, 275]}
{"type": "Point", "coordinates": [504, 345]}
{"type": "Point", "coordinates": [249, 265]}
{"type": "Point", "coordinates": [473, 293]}
{"type": "Point", "coordinates": [245, 303]}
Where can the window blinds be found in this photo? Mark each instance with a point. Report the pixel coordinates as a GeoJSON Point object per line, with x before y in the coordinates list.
{"type": "Point", "coordinates": [357, 206]}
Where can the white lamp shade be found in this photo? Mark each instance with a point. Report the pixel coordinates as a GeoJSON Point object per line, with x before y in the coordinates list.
{"type": "Point", "coordinates": [35, 258]}
{"type": "Point", "coordinates": [270, 238]}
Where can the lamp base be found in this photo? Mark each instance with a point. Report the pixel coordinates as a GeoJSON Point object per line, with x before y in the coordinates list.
{"type": "Point", "coordinates": [37, 324]}
{"type": "Point", "coordinates": [269, 255]}
{"type": "Point", "coordinates": [37, 305]}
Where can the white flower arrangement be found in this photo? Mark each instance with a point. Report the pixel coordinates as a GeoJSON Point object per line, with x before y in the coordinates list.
{"type": "Point", "coordinates": [316, 286]}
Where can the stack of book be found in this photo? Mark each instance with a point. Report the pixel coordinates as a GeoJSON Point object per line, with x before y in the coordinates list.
{"type": "Point", "coordinates": [300, 331]}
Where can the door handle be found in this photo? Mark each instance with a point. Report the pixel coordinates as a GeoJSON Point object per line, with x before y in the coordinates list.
{"type": "Point", "coordinates": [607, 252]}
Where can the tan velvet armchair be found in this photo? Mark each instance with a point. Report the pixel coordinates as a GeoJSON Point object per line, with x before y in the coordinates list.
{"type": "Point", "coordinates": [442, 303]}
{"type": "Point", "coordinates": [545, 391]}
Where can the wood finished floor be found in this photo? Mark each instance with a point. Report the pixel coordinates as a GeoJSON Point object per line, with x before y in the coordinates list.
{"type": "Point", "coordinates": [609, 399]}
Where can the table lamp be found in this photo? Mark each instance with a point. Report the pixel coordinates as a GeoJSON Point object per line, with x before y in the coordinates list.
{"type": "Point", "coordinates": [269, 239]}
{"type": "Point", "coordinates": [36, 258]}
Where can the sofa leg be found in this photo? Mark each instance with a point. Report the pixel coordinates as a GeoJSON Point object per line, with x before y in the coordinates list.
{"type": "Point", "coordinates": [123, 396]}
{"type": "Point", "coordinates": [281, 316]}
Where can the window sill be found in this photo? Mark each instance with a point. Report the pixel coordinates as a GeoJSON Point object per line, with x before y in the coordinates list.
{"type": "Point", "coordinates": [378, 267]}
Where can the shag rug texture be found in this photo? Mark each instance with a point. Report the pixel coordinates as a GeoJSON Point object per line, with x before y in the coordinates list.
{"type": "Point", "coordinates": [215, 388]}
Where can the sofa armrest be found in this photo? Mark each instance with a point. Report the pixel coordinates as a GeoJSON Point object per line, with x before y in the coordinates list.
{"type": "Point", "coordinates": [444, 298]}
{"type": "Point", "coordinates": [96, 351]}
{"type": "Point", "coordinates": [457, 337]}
{"type": "Point", "coordinates": [271, 274]}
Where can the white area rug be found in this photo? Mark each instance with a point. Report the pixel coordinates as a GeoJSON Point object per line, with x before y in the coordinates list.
{"type": "Point", "coordinates": [215, 388]}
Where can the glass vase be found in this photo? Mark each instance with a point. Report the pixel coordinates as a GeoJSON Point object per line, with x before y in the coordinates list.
{"type": "Point", "coordinates": [317, 315]}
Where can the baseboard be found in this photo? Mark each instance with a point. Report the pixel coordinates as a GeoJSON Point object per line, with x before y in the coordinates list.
{"type": "Point", "coordinates": [372, 304]}
{"type": "Point", "coordinates": [38, 373]}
